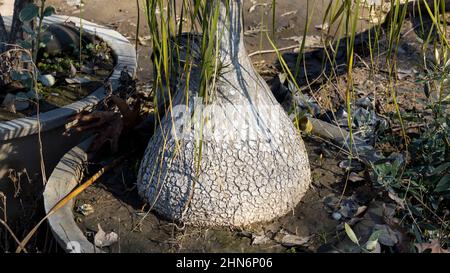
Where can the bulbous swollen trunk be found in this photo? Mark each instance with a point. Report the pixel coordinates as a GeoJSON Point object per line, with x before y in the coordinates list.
{"type": "Point", "coordinates": [233, 160]}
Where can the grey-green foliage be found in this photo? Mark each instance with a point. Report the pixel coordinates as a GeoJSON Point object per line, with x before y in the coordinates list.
{"type": "Point", "coordinates": [33, 12]}
{"type": "Point", "coordinates": [34, 41]}
{"type": "Point", "coordinates": [422, 179]}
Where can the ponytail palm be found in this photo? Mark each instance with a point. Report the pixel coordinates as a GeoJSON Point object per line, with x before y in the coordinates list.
{"type": "Point", "coordinates": [225, 153]}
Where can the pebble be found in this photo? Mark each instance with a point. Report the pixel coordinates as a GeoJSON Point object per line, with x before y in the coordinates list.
{"type": "Point", "coordinates": [47, 80]}
{"type": "Point", "coordinates": [336, 216]}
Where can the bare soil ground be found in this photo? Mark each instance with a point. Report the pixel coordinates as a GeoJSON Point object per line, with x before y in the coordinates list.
{"type": "Point", "coordinates": [291, 18]}
{"type": "Point", "coordinates": [118, 208]}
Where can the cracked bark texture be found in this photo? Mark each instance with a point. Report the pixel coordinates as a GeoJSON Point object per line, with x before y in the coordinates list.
{"type": "Point", "coordinates": [235, 181]}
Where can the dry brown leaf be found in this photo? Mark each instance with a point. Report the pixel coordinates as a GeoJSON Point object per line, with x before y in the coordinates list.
{"type": "Point", "coordinates": [400, 202]}
{"type": "Point", "coordinates": [434, 246]}
{"type": "Point", "coordinates": [130, 115]}
{"type": "Point", "coordinates": [103, 239]}
{"type": "Point", "coordinates": [111, 133]}
{"type": "Point", "coordinates": [85, 120]}
{"type": "Point", "coordinates": [294, 241]}
{"type": "Point", "coordinates": [109, 125]}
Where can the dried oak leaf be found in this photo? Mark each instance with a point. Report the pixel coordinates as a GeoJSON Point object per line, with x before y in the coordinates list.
{"type": "Point", "coordinates": [86, 120]}
{"type": "Point", "coordinates": [111, 133]}
{"type": "Point", "coordinates": [434, 246]}
{"type": "Point", "coordinates": [109, 125]}
{"type": "Point", "coordinates": [131, 116]}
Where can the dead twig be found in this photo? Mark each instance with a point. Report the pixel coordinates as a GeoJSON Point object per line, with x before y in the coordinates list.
{"type": "Point", "coordinates": [11, 233]}
{"type": "Point", "coordinates": [269, 51]}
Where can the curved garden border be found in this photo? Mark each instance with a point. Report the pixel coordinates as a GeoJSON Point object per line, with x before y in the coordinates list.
{"type": "Point", "coordinates": [63, 180]}
{"type": "Point", "coordinates": [19, 141]}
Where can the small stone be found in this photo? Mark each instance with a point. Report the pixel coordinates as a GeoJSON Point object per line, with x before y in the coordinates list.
{"type": "Point", "coordinates": [336, 216]}
{"type": "Point", "coordinates": [47, 80]}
